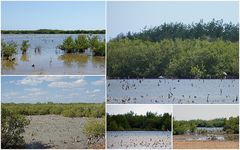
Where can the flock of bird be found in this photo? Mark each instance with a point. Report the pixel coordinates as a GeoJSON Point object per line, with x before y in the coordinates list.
{"type": "Point", "coordinates": [134, 139]}
{"type": "Point", "coordinates": [166, 91]}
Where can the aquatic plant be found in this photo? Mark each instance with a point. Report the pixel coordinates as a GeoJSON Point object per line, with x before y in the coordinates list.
{"type": "Point", "coordinates": [68, 45]}
{"type": "Point", "coordinates": [25, 46]}
{"type": "Point", "coordinates": [81, 43]}
{"type": "Point", "coordinates": [8, 49]}
{"type": "Point", "coordinates": [97, 46]}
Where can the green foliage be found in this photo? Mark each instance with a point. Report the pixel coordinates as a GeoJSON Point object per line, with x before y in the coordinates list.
{"type": "Point", "coordinates": [206, 31]}
{"type": "Point", "coordinates": [68, 45]}
{"type": "Point", "coordinates": [172, 58]}
{"type": "Point", "coordinates": [25, 46]}
{"type": "Point", "coordinates": [67, 110]}
{"type": "Point", "coordinates": [95, 127]}
{"type": "Point", "coordinates": [97, 46]}
{"type": "Point", "coordinates": [8, 49]}
{"type": "Point", "coordinates": [12, 125]}
{"type": "Point", "coordinates": [81, 43]}
{"type": "Point", "coordinates": [148, 122]}
{"type": "Point", "coordinates": [232, 125]}
{"type": "Point", "coordinates": [48, 31]}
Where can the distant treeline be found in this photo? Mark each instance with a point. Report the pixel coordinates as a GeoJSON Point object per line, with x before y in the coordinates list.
{"type": "Point", "coordinates": [67, 110]}
{"type": "Point", "coordinates": [49, 31]}
{"type": "Point", "coordinates": [214, 29]}
{"type": "Point", "coordinates": [189, 58]}
{"type": "Point", "coordinates": [230, 125]}
{"type": "Point", "coordinates": [133, 122]}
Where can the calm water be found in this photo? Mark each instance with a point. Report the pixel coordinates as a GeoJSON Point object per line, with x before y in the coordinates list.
{"type": "Point", "coordinates": [49, 59]}
{"type": "Point", "coordinates": [186, 91]}
{"type": "Point", "coordinates": [139, 139]}
{"type": "Point", "coordinates": [211, 129]}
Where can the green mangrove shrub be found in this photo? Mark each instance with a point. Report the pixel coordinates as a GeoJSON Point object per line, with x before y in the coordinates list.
{"type": "Point", "coordinates": [68, 45]}
{"type": "Point", "coordinates": [25, 46]}
{"type": "Point", "coordinates": [95, 127]}
{"type": "Point", "coordinates": [8, 49]}
{"type": "Point", "coordinates": [12, 127]}
{"type": "Point", "coordinates": [83, 42]}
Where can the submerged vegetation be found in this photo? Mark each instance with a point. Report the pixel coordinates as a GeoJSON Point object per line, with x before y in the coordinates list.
{"type": "Point", "coordinates": [202, 50]}
{"type": "Point", "coordinates": [230, 125]}
{"type": "Point", "coordinates": [12, 126]}
{"type": "Point", "coordinates": [82, 43]}
{"type": "Point", "coordinates": [133, 122]}
{"type": "Point", "coordinates": [67, 110]}
{"type": "Point", "coordinates": [49, 31]}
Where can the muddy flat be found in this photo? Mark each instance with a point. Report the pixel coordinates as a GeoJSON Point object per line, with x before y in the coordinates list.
{"type": "Point", "coordinates": [53, 131]}
{"type": "Point", "coordinates": [205, 145]}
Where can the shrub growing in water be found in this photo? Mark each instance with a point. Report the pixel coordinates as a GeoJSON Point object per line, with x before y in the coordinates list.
{"type": "Point", "coordinates": [25, 46]}
{"type": "Point", "coordinates": [8, 49]}
{"type": "Point", "coordinates": [81, 43]}
{"type": "Point", "coordinates": [12, 127]}
{"type": "Point", "coordinates": [68, 45]}
{"type": "Point", "coordinates": [97, 46]}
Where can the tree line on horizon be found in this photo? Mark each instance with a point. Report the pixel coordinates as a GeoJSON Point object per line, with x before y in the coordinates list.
{"type": "Point", "coordinates": [52, 31]}
{"type": "Point", "coordinates": [134, 122]}
{"type": "Point", "coordinates": [230, 125]}
{"type": "Point", "coordinates": [215, 29]}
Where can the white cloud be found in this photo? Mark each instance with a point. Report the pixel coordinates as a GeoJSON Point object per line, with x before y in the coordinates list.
{"type": "Point", "coordinates": [99, 82]}
{"type": "Point", "coordinates": [35, 80]}
{"type": "Point", "coordinates": [33, 92]}
{"type": "Point", "coordinates": [74, 84]}
{"type": "Point", "coordinates": [94, 91]}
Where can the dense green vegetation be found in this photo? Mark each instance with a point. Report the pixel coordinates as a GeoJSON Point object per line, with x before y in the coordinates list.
{"type": "Point", "coordinates": [67, 110]}
{"type": "Point", "coordinates": [169, 58]}
{"type": "Point", "coordinates": [202, 50]}
{"type": "Point", "coordinates": [25, 46]}
{"type": "Point", "coordinates": [49, 31]}
{"type": "Point", "coordinates": [230, 125]}
{"type": "Point", "coordinates": [95, 128]}
{"type": "Point", "coordinates": [12, 125]}
{"type": "Point", "coordinates": [131, 122]}
{"type": "Point", "coordinates": [83, 42]}
{"type": "Point", "coordinates": [8, 49]}
{"type": "Point", "coordinates": [212, 30]}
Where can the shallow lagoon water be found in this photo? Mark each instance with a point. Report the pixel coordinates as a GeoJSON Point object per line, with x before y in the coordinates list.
{"type": "Point", "coordinates": [49, 59]}
{"type": "Point", "coordinates": [139, 139]}
{"type": "Point", "coordinates": [176, 91]}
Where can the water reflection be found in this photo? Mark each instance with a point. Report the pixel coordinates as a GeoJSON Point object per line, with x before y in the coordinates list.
{"type": "Point", "coordinates": [8, 65]}
{"type": "Point", "coordinates": [24, 58]}
{"type": "Point", "coordinates": [69, 59]}
{"type": "Point", "coordinates": [37, 50]}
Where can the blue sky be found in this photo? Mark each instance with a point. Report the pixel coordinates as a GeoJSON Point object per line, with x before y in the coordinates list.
{"type": "Point", "coordinates": [134, 16]}
{"type": "Point", "coordinates": [59, 89]}
{"type": "Point", "coordinates": [53, 15]}
{"type": "Point", "coordinates": [138, 109]}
